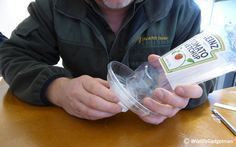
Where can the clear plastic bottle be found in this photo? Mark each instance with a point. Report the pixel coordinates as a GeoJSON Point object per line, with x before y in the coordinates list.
{"type": "Point", "coordinates": [203, 57]}
{"type": "Point", "coordinates": [145, 79]}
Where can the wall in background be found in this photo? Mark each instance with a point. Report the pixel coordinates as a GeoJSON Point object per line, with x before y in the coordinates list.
{"type": "Point", "coordinates": [12, 12]}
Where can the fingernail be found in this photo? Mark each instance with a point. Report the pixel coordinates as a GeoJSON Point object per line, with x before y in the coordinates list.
{"type": "Point", "coordinates": [148, 102]}
{"type": "Point", "coordinates": [114, 98]}
{"type": "Point", "coordinates": [159, 93]}
{"type": "Point", "coordinates": [180, 90]}
{"type": "Point", "coordinates": [119, 109]}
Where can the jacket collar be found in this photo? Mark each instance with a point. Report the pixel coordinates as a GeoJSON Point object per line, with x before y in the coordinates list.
{"type": "Point", "coordinates": [155, 9]}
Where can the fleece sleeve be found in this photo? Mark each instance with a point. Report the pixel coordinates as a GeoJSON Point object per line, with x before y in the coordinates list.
{"type": "Point", "coordinates": [27, 59]}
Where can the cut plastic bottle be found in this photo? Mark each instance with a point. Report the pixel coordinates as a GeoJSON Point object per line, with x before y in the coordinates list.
{"type": "Point", "coordinates": [205, 56]}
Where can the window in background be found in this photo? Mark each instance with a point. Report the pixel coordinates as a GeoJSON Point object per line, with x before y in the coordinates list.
{"type": "Point", "coordinates": [206, 7]}
{"type": "Point", "coordinates": [224, 12]}
{"type": "Point", "coordinates": [12, 13]}
{"type": "Point", "coordinates": [219, 12]}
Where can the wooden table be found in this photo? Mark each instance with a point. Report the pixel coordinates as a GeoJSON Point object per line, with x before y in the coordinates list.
{"type": "Point", "coordinates": [25, 125]}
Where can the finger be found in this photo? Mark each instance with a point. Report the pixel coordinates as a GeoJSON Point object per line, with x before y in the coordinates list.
{"type": "Point", "coordinates": [99, 103]}
{"type": "Point", "coordinates": [83, 111]}
{"type": "Point", "coordinates": [100, 90]}
{"type": "Point", "coordinates": [103, 82]}
{"type": "Point", "coordinates": [72, 109]}
{"type": "Point", "coordinates": [166, 97]}
{"type": "Point", "coordinates": [158, 108]}
{"type": "Point", "coordinates": [189, 91]}
{"type": "Point", "coordinates": [154, 60]}
{"type": "Point", "coordinates": [153, 119]}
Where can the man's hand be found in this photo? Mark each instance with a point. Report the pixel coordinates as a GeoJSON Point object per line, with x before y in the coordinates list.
{"type": "Point", "coordinates": [165, 104]}
{"type": "Point", "coordinates": [84, 97]}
